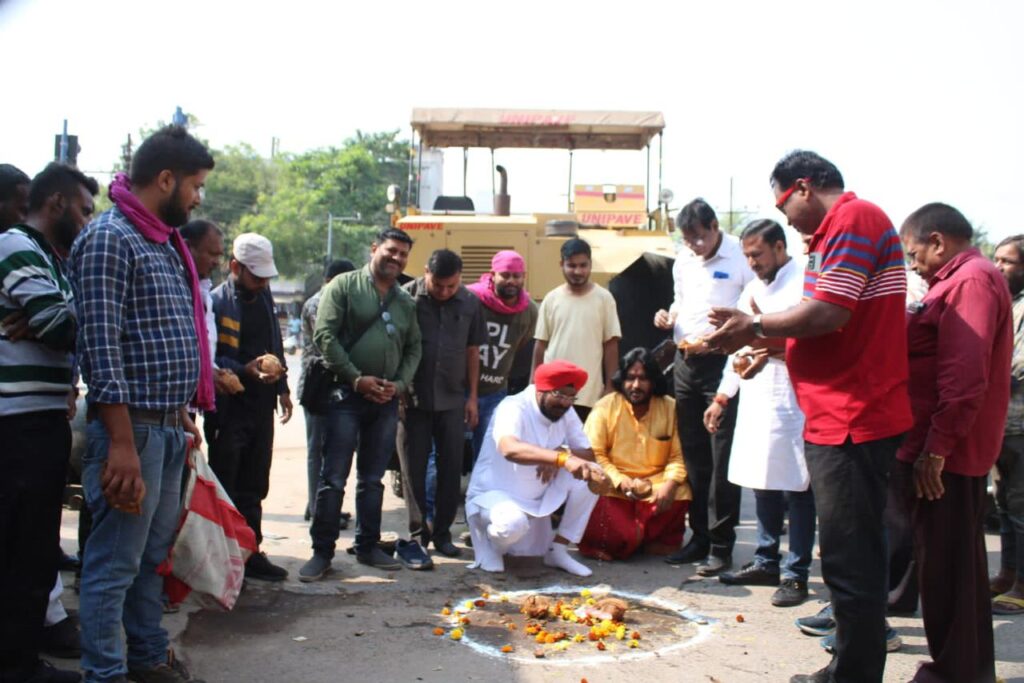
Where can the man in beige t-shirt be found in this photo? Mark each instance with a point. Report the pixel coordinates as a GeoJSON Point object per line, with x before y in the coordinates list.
{"type": "Point", "coordinates": [579, 322]}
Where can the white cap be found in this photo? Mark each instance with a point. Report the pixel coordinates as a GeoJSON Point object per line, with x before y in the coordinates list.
{"type": "Point", "coordinates": [256, 253]}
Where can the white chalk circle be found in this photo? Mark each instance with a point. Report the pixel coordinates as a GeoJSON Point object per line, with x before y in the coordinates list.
{"type": "Point", "coordinates": [585, 653]}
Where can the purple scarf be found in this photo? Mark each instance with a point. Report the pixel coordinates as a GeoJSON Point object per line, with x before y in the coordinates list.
{"type": "Point", "coordinates": [484, 289]}
{"type": "Point", "coordinates": [155, 230]}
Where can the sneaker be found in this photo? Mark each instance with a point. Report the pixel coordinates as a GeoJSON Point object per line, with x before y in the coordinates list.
{"type": "Point", "coordinates": [412, 555]}
{"type": "Point", "coordinates": [48, 673]}
{"type": "Point", "coordinates": [62, 639]}
{"type": "Point", "coordinates": [378, 558]}
{"type": "Point", "coordinates": [893, 642]}
{"type": "Point", "coordinates": [820, 625]}
{"type": "Point", "coordinates": [261, 568]}
{"type": "Point", "coordinates": [752, 574]}
{"type": "Point", "coordinates": [791, 593]}
{"type": "Point", "coordinates": [171, 671]}
{"type": "Point", "coordinates": [314, 569]}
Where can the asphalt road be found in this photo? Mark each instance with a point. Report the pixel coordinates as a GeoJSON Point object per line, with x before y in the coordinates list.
{"type": "Point", "coordinates": [366, 626]}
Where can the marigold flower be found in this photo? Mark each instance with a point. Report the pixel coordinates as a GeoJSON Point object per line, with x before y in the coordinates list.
{"type": "Point", "coordinates": [446, 612]}
{"type": "Point", "coordinates": [438, 631]}
{"type": "Point", "coordinates": [456, 634]}
{"type": "Point", "coordinates": [634, 643]}
{"type": "Point", "coordinates": [506, 648]}
{"type": "Point", "coordinates": [601, 646]}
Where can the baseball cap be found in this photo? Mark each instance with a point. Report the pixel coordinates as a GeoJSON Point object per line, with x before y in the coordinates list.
{"type": "Point", "coordinates": [256, 253]}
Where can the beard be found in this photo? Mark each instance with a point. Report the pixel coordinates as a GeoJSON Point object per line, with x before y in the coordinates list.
{"type": "Point", "coordinates": [65, 231]}
{"type": "Point", "coordinates": [173, 212]}
{"type": "Point", "coordinates": [509, 291]}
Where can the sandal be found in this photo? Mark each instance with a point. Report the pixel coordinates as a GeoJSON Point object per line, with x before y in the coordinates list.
{"type": "Point", "coordinates": [1007, 604]}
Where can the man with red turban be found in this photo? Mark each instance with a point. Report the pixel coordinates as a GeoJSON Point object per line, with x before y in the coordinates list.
{"type": "Point", "coordinates": [534, 459]}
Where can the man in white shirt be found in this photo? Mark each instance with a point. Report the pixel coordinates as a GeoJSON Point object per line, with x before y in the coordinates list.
{"type": "Point", "coordinates": [534, 459]}
{"type": "Point", "coordinates": [768, 449]}
{"type": "Point", "coordinates": [710, 271]}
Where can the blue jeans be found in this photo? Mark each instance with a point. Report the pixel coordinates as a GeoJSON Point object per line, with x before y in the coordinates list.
{"type": "Point", "coordinates": [120, 586]}
{"type": "Point", "coordinates": [320, 427]}
{"type": "Point", "coordinates": [771, 510]}
{"type": "Point", "coordinates": [485, 407]}
{"type": "Point", "coordinates": [372, 426]}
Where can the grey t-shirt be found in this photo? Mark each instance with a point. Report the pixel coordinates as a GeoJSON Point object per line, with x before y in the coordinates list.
{"type": "Point", "coordinates": [505, 332]}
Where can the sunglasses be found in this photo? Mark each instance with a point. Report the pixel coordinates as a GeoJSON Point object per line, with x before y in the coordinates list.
{"type": "Point", "coordinates": [781, 204]}
{"type": "Point", "coordinates": [389, 327]}
{"type": "Point", "coordinates": [566, 398]}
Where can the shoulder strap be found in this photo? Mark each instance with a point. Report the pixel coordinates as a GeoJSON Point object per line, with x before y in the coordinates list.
{"type": "Point", "coordinates": [382, 308]}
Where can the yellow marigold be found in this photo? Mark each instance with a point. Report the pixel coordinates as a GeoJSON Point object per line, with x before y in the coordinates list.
{"type": "Point", "coordinates": [446, 612]}
{"type": "Point", "coordinates": [504, 598]}
{"type": "Point", "coordinates": [620, 633]}
{"type": "Point", "coordinates": [634, 643]}
{"type": "Point", "coordinates": [456, 634]}
{"type": "Point", "coordinates": [578, 638]}
{"type": "Point", "coordinates": [585, 593]}
{"type": "Point", "coordinates": [591, 601]}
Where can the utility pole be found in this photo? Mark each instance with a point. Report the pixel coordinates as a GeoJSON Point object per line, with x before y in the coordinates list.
{"type": "Point", "coordinates": [126, 154]}
{"type": "Point", "coordinates": [330, 234]}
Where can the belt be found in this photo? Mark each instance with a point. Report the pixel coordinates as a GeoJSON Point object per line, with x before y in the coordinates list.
{"type": "Point", "coordinates": [159, 418]}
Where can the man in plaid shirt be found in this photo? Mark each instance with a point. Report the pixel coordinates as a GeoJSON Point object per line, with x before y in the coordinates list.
{"type": "Point", "coordinates": [137, 348]}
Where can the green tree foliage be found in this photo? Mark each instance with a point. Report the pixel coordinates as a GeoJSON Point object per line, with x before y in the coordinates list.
{"type": "Point", "coordinates": [233, 190]}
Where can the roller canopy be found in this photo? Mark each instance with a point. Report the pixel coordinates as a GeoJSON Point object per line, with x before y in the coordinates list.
{"type": "Point", "coordinates": [538, 128]}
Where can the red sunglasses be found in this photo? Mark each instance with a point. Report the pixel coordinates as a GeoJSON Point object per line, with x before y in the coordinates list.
{"type": "Point", "coordinates": [781, 204]}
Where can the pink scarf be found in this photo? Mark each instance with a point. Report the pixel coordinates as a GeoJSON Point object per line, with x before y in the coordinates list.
{"type": "Point", "coordinates": [155, 230]}
{"type": "Point", "coordinates": [484, 289]}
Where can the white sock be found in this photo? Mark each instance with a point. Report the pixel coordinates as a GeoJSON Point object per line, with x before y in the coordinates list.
{"type": "Point", "coordinates": [558, 556]}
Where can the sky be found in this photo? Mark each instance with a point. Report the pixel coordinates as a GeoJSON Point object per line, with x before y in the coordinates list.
{"type": "Point", "coordinates": [913, 101]}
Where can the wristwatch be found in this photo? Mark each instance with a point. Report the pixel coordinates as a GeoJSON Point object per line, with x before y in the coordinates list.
{"type": "Point", "coordinates": [756, 324]}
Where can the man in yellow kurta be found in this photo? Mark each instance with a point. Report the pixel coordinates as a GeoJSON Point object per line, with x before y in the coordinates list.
{"type": "Point", "coordinates": [633, 433]}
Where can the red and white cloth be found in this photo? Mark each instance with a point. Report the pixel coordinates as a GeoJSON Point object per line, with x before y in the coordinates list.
{"type": "Point", "coordinates": [213, 542]}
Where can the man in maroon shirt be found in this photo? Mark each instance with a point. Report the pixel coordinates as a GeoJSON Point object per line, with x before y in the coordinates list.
{"type": "Point", "coordinates": [960, 340]}
{"type": "Point", "coordinates": [846, 355]}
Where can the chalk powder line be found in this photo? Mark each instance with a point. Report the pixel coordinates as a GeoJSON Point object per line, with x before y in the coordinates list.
{"type": "Point", "coordinates": [704, 626]}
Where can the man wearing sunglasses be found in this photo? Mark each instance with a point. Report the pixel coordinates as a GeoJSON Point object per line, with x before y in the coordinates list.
{"type": "Point", "coordinates": [535, 458]}
{"type": "Point", "coordinates": [242, 440]}
{"type": "Point", "coordinates": [847, 358]}
{"type": "Point", "coordinates": [367, 330]}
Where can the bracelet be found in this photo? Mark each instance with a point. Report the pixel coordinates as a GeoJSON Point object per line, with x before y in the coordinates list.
{"type": "Point", "coordinates": [721, 400]}
{"type": "Point", "coordinates": [561, 459]}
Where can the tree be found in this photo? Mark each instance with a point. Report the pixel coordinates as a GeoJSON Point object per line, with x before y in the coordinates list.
{"type": "Point", "coordinates": [233, 189]}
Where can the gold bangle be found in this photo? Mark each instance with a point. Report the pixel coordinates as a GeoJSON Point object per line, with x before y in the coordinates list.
{"type": "Point", "coordinates": [561, 459]}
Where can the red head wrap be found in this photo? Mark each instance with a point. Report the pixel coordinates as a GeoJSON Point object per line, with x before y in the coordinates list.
{"type": "Point", "coordinates": [557, 374]}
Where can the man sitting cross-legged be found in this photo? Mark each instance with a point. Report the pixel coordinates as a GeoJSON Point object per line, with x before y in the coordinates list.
{"type": "Point", "coordinates": [633, 434]}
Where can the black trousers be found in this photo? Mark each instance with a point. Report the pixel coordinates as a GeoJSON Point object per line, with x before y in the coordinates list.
{"type": "Point", "coordinates": [949, 544]}
{"type": "Point", "coordinates": [850, 484]}
{"type": "Point", "coordinates": [899, 509]}
{"type": "Point", "coordinates": [446, 430]}
{"type": "Point", "coordinates": [33, 470]}
{"type": "Point", "coordinates": [241, 449]}
{"type": "Point", "coordinates": [715, 509]}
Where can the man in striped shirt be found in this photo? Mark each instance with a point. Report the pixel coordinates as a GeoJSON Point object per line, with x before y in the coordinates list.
{"type": "Point", "coordinates": [847, 358]}
{"type": "Point", "coordinates": [36, 340]}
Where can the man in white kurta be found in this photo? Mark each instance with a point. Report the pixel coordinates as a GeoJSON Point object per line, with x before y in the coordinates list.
{"type": "Point", "coordinates": [768, 447]}
{"type": "Point", "coordinates": [534, 458]}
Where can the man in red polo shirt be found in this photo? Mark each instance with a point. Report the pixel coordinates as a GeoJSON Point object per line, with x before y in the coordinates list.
{"type": "Point", "coordinates": [960, 339]}
{"type": "Point", "coordinates": [847, 358]}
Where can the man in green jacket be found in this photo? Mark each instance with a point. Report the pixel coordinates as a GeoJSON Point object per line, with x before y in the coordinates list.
{"type": "Point", "coordinates": [366, 328]}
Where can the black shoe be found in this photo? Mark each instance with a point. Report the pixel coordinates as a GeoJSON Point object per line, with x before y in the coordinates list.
{"type": "Point", "coordinates": [820, 676]}
{"type": "Point", "coordinates": [171, 671]}
{"type": "Point", "coordinates": [447, 548]}
{"type": "Point", "coordinates": [412, 555]}
{"type": "Point", "coordinates": [466, 538]}
{"type": "Point", "coordinates": [688, 554]}
{"type": "Point", "coordinates": [62, 639]}
{"type": "Point", "coordinates": [378, 559]}
{"type": "Point", "coordinates": [714, 565]}
{"type": "Point", "coordinates": [314, 569]}
{"type": "Point", "coordinates": [48, 673]}
{"type": "Point", "coordinates": [752, 574]}
{"type": "Point", "coordinates": [344, 519]}
{"type": "Point", "coordinates": [68, 563]}
{"type": "Point", "coordinates": [307, 515]}
{"type": "Point", "coordinates": [791, 593]}
{"type": "Point", "coordinates": [260, 568]}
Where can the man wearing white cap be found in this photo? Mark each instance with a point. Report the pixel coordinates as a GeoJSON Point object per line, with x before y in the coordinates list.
{"type": "Point", "coordinates": [249, 344]}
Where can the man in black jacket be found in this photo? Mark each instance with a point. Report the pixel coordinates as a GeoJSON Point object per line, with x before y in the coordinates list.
{"type": "Point", "coordinates": [248, 335]}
